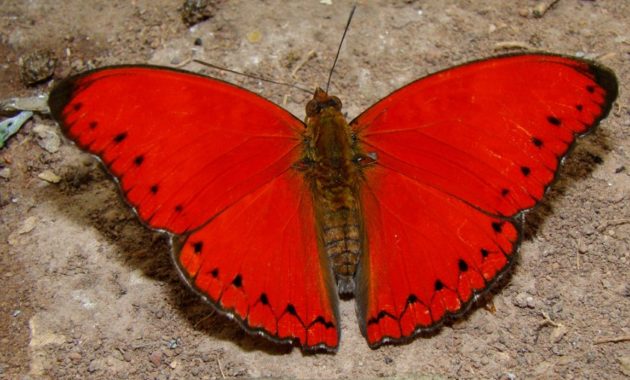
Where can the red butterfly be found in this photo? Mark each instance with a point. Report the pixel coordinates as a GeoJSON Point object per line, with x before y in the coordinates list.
{"type": "Point", "coordinates": [414, 207]}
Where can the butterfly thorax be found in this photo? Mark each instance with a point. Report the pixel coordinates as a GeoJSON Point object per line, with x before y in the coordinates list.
{"type": "Point", "coordinates": [334, 174]}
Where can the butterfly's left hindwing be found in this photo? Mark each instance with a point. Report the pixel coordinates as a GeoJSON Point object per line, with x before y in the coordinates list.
{"type": "Point", "coordinates": [259, 262]}
{"type": "Point", "coordinates": [459, 154]}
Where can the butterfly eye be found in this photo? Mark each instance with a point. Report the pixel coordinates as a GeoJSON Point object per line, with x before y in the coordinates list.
{"type": "Point", "coordinates": [312, 108]}
{"type": "Point", "coordinates": [336, 102]}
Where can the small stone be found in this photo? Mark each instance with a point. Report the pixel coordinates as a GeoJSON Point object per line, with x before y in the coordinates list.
{"type": "Point", "coordinates": [94, 366]}
{"type": "Point", "coordinates": [582, 247]}
{"type": "Point", "coordinates": [75, 356]}
{"type": "Point", "coordinates": [388, 360]}
{"type": "Point", "coordinates": [173, 364]}
{"type": "Point", "coordinates": [254, 36]}
{"type": "Point", "coordinates": [523, 300]}
{"type": "Point", "coordinates": [5, 173]}
{"type": "Point", "coordinates": [28, 225]}
{"type": "Point", "coordinates": [77, 65]}
{"type": "Point", "coordinates": [126, 356]}
{"type": "Point", "coordinates": [195, 11]}
{"type": "Point", "coordinates": [36, 67]}
{"type": "Point", "coordinates": [173, 343]}
{"type": "Point", "coordinates": [47, 139]}
{"type": "Point", "coordinates": [49, 176]}
{"type": "Point", "coordinates": [558, 333]}
{"type": "Point", "coordinates": [530, 302]}
{"type": "Point", "coordinates": [156, 358]}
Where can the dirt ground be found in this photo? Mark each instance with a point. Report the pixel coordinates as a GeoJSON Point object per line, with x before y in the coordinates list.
{"type": "Point", "coordinates": [87, 291]}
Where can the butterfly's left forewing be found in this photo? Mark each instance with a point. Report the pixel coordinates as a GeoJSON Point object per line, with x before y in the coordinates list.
{"type": "Point", "coordinates": [458, 156]}
{"type": "Point", "coordinates": [182, 146]}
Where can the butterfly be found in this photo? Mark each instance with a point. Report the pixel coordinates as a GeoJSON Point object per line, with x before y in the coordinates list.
{"type": "Point", "coordinates": [415, 207]}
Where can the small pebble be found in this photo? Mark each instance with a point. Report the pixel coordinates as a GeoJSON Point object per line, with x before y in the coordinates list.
{"type": "Point", "coordinates": [93, 367]}
{"type": "Point", "coordinates": [195, 11]}
{"type": "Point", "coordinates": [28, 225]}
{"type": "Point", "coordinates": [49, 176]}
{"type": "Point", "coordinates": [156, 358]}
{"type": "Point", "coordinates": [558, 333]}
{"type": "Point", "coordinates": [5, 173]}
{"type": "Point", "coordinates": [47, 138]}
{"type": "Point", "coordinates": [36, 67]}
{"type": "Point", "coordinates": [75, 356]}
{"type": "Point", "coordinates": [582, 247]}
{"type": "Point", "coordinates": [254, 37]}
{"type": "Point", "coordinates": [523, 300]}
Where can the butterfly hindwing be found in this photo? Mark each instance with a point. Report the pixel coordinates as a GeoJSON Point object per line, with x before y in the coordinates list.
{"type": "Point", "coordinates": [459, 154]}
{"type": "Point", "coordinates": [428, 254]}
{"type": "Point", "coordinates": [259, 262]}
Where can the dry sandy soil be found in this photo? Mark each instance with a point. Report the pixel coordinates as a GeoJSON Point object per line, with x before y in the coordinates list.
{"type": "Point", "coordinates": [87, 291]}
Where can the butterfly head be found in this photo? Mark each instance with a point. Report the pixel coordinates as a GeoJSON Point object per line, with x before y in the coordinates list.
{"type": "Point", "coordinates": [321, 103]}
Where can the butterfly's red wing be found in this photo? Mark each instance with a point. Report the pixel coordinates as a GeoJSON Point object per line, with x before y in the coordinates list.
{"type": "Point", "coordinates": [459, 154]}
{"type": "Point", "coordinates": [209, 160]}
{"type": "Point", "coordinates": [272, 281]}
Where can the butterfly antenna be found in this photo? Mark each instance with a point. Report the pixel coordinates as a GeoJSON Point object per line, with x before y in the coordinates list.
{"type": "Point", "coordinates": [340, 44]}
{"type": "Point", "coordinates": [252, 76]}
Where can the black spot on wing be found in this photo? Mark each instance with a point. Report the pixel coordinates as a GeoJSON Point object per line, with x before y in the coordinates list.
{"type": "Point", "coordinates": [525, 170]}
{"type": "Point", "coordinates": [138, 160]}
{"type": "Point", "coordinates": [291, 309]}
{"type": "Point", "coordinates": [238, 281]}
{"type": "Point", "coordinates": [554, 120]}
{"type": "Point", "coordinates": [537, 142]}
{"type": "Point", "coordinates": [497, 227]}
{"type": "Point", "coordinates": [463, 266]}
{"type": "Point", "coordinates": [264, 299]}
{"type": "Point", "coordinates": [120, 137]}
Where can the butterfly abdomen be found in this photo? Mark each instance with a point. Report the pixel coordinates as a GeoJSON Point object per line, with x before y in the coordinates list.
{"type": "Point", "coordinates": [334, 178]}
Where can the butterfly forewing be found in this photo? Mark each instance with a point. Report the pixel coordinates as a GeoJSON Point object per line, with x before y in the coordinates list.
{"type": "Point", "coordinates": [183, 147]}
